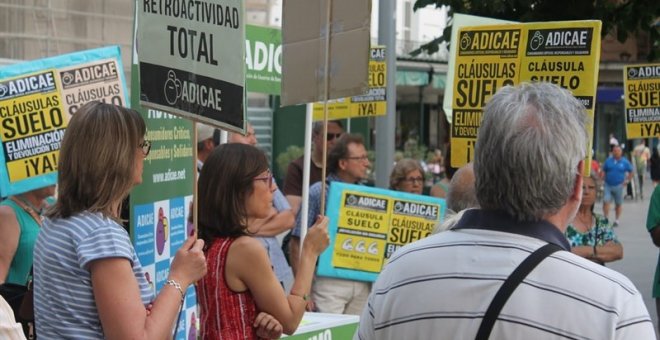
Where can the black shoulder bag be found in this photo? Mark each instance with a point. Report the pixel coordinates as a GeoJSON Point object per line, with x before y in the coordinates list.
{"type": "Point", "coordinates": [511, 283]}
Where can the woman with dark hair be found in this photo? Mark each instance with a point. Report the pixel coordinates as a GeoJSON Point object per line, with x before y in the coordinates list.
{"type": "Point", "coordinates": [590, 235]}
{"type": "Point", "coordinates": [88, 281]}
{"type": "Point", "coordinates": [241, 290]}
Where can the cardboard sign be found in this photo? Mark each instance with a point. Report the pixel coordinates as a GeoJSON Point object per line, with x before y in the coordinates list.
{"type": "Point", "coordinates": [642, 92]}
{"type": "Point", "coordinates": [304, 34]}
{"type": "Point", "coordinates": [458, 21]}
{"type": "Point", "coordinates": [367, 225]}
{"type": "Point", "coordinates": [263, 56]}
{"type": "Point", "coordinates": [490, 57]}
{"type": "Point", "coordinates": [371, 103]}
{"type": "Point", "coordinates": [192, 60]}
{"type": "Point", "coordinates": [37, 99]}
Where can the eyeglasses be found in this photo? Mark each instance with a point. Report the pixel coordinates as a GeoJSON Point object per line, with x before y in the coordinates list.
{"type": "Point", "coordinates": [414, 180]}
{"type": "Point", "coordinates": [146, 147]}
{"type": "Point", "coordinates": [332, 136]}
{"type": "Point", "coordinates": [358, 158]}
{"type": "Point", "coordinates": [268, 179]}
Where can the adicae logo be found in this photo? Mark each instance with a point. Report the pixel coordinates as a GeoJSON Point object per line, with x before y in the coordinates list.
{"type": "Point", "coordinates": [67, 78]}
{"type": "Point", "coordinates": [465, 41]}
{"type": "Point", "coordinates": [632, 72]}
{"type": "Point", "coordinates": [3, 90]}
{"type": "Point", "coordinates": [172, 88]}
{"type": "Point", "coordinates": [537, 41]}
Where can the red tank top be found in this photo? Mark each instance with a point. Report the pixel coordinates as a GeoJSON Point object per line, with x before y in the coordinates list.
{"type": "Point", "coordinates": [224, 314]}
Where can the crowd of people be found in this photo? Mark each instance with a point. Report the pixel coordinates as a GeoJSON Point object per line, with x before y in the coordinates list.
{"type": "Point", "coordinates": [525, 222]}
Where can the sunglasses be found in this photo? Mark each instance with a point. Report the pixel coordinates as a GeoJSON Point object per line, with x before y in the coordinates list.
{"type": "Point", "coordinates": [332, 136]}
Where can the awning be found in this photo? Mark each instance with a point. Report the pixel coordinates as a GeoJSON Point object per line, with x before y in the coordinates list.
{"type": "Point", "coordinates": [419, 78]}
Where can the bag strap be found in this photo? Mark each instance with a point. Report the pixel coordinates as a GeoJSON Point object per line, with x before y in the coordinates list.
{"type": "Point", "coordinates": [35, 215]}
{"type": "Point", "coordinates": [507, 288]}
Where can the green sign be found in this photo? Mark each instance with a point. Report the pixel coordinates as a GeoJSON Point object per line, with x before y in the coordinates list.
{"type": "Point", "coordinates": [161, 205]}
{"type": "Point", "coordinates": [263, 56]}
{"type": "Point", "coordinates": [334, 333]}
{"type": "Point", "coordinates": [324, 326]}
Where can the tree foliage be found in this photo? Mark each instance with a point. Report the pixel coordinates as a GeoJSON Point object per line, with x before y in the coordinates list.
{"type": "Point", "coordinates": [625, 17]}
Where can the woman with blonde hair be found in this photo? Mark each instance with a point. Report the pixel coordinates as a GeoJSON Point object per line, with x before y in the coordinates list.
{"type": "Point", "coordinates": [407, 176]}
{"type": "Point", "coordinates": [88, 281]}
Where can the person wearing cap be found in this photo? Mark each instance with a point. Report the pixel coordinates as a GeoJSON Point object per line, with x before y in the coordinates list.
{"type": "Point", "coordinates": [205, 143]}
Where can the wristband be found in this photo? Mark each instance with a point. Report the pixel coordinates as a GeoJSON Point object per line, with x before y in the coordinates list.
{"type": "Point", "coordinates": [177, 286]}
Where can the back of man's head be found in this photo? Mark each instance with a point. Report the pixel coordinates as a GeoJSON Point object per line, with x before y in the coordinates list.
{"type": "Point", "coordinates": [531, 140]}
{"type": "Point", "coordinates": [461, 193]}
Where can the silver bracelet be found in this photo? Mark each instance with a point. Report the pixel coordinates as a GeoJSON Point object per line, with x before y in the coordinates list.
{"type": "Point", "coordinates": [177, 286]}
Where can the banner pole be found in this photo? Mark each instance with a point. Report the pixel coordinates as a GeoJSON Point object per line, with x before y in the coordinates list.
{"type": "Point", "coordinates": [326, 85]}
{"type": "Point", "coordinates": [307, 160]}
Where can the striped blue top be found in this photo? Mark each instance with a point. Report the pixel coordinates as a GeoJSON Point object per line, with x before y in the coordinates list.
{"type": "Point", "coordinates": [63, 298]}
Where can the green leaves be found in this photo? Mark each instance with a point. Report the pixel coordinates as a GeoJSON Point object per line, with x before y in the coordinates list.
{"type": "Point", "coordinates": [640, 18]}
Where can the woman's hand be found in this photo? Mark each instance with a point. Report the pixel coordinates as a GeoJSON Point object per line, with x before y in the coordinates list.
{"type": "Point", "coordinates": [189, 264]}
{"type": "Point", "coordinates": [317, 238]}
{"type": "Point", "coordinates": [267, 326]}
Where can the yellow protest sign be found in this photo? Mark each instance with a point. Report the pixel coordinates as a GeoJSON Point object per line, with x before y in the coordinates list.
{"type": "Point", "coordinates": [642, 92]}
{"type": "Point", "coordinates": [37, 99]}
{"type": "Point", "coordinates": [372, 103]}
{"type": "Point", "coordinates": [490, 57]}
{"type": "Point", "coordinates": [367, 225]}
{"type": "Point", "coordinates": [33, 124]}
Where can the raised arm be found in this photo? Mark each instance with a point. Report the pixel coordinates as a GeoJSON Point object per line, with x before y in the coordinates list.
{"type": "Point", "coordinates": [117, 294]}
{"type": "Point", "coordinates": [248, 267]}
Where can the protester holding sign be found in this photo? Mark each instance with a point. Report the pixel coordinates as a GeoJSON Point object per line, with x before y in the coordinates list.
{"type": "Point", "coordinates": [89, 282]}
{"type": "Point", "coordinates": [280, 220]}
{"type": "Point", "coordinates": [407, 176]}
{"type": "Point", "coordinates": [347, 162]}
{"type": "Point", "coordinates": [235, 188]}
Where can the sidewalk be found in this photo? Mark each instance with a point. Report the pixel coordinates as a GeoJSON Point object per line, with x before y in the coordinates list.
{"type": "Point", "coordinates": [640, 255]}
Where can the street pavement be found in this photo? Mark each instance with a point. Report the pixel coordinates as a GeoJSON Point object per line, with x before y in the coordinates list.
{"type": "Point", "coordinates": [640, 255]}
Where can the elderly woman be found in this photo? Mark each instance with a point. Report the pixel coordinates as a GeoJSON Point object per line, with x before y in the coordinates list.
{"type": "Point", "coordinates": [589, 234]}
{"type": "Point", "coordinates": [88, 281]}
{"type": "Point", "coordinates": [407, 176]}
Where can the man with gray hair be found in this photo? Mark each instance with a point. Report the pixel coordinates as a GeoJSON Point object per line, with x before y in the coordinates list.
{"type": "Point", "coordinates": [505, 270]}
